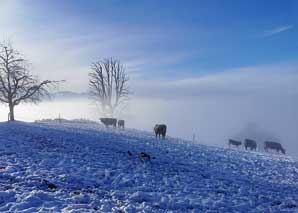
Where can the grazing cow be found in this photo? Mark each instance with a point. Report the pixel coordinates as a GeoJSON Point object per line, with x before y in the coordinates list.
{"type": "Point", "coordinates": [121, 123]}
{"type": "Point", "coordinates": [109, 121]}
{"type": "Point", "coordinates": [248, 143]}
{"type": "Point", "coordinates": [160, 129]}
{"type": "Point", "coordinates": [234, 143]}
{"type": "Point", "coordinates": [274, 145]}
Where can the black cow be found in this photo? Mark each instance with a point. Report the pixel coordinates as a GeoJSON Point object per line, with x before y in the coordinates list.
{"type": "Point", "coordinates": [248, 143]}
{"type": "Point", "coordinates": [234, 143]}
{"type": "Point", "coordinates": [274, 145]}
{"type": "Point", "coordinates": [121, 123]}
{"type": "Point", "coordinates": [109, 121]}
{"type": "Point", "coordinates": [160, 129]}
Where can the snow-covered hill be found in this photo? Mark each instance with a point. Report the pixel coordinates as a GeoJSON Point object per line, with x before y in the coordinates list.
{"type": "Point", "coordinates": [83, 167]}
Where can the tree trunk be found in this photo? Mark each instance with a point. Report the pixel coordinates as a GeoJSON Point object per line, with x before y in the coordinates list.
{"type": "Point", "coordinates": [11, 112]}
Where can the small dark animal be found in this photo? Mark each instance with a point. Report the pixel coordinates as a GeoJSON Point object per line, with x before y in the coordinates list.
{"type": "Point", "coordinates": [160, 129]}
{"type": "Point", "coordinates": [49, 184]}
{"type": "Point", "coordinates": [274, 145]}
{"type": "Point", "coordinates": [234, 143]}
{"type": "Point", "coordinates": [145, 156]}
{"type": "Point", "coordinates": [109, 121]}
{"type": "Point", "coordinates": [121, 123]}
{"type": "Point", "coordinates": [248, 143]}
{"type": "Point", "coordinates": [129, 153]}
{"type": "Point", "coordinates": [52, 186]}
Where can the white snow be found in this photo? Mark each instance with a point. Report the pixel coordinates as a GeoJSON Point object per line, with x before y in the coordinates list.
{"type": "Point", "coordinates": [83, 167]}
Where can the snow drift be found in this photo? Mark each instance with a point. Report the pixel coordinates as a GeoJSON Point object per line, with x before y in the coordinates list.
{"type": "Point", "coordinates": [84, 167]}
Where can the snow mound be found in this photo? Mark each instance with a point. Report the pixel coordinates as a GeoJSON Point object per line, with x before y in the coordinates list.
{"type": "Point", "coordinates": [81, 166]}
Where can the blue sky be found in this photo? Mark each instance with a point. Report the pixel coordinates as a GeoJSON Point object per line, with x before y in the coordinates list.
{"type": "Point", "coordinates": [206, 35]}
{"type": "Point", "coordinates": [166, 40]}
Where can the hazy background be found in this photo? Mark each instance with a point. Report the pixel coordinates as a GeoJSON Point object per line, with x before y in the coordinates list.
{"type": "Point", "coordinates": [210, 68]}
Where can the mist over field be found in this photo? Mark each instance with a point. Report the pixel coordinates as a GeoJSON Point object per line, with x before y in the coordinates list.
{"type": "Point", "coordinates": [212, 108]}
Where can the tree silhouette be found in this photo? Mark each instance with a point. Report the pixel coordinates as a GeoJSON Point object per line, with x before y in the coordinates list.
{"type": "Point", "coordinates": [17, 84]}
{"type": "Point", "coordinates": [108, 84]}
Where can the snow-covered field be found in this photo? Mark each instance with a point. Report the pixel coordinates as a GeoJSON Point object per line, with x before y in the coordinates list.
{"type": "Point", "coordinates": [83, 167]}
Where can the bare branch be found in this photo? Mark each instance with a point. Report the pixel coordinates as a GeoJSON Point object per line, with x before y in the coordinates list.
{"type": "Point", "coordinates": [108, 84]}
{"type": "Point", "coordinates": [16, 83]}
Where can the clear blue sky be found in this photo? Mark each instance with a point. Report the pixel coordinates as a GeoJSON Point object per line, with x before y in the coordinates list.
{"type": "Point", "coordinates": [208, 35]}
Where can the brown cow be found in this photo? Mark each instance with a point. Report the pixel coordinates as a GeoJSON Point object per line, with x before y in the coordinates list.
{"type": "Point", "coordinates": [234, 142]}
{"type": "Point", "coordinates": [248, 143]}
{"type": "Point", "coordinates": [109, 121]}
{"type": "Point", "coordinates": [121, 123]}
{"type": "Point", "coordinates": [160, 129]}
{"type": "Point", "coordinates": [274, 145]}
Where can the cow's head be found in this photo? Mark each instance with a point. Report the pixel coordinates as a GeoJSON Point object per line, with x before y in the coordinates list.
{"type": "Point", "coordinates": [283, 151]}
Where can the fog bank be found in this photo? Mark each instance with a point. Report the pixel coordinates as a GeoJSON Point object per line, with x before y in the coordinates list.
{"type": "Point", "coordinates": [212, 120]}
{"type": "Point", "coordinates": [214, 107]}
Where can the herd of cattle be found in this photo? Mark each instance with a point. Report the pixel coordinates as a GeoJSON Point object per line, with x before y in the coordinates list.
{"type": "Point", "coordinates": [159, 129]}
{"type": "Point", "coordinates": [112, 122]}
{"type": "Point", "coordinates": [248, 143]}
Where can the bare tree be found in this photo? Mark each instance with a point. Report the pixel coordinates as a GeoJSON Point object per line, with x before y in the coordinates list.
{"type": "Point", "coordinates": [108, 84]}
{"type": "Point", "coordinates": [16, 83]}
